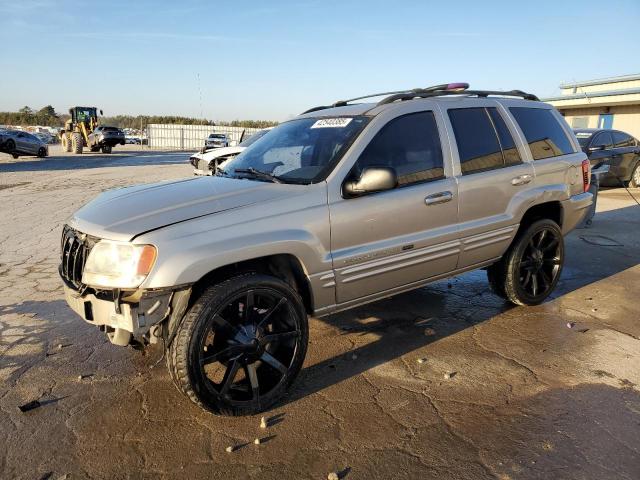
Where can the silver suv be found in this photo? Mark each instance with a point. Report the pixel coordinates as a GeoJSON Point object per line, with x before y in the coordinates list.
{"type": "Point", "coordinates": [341, 206]}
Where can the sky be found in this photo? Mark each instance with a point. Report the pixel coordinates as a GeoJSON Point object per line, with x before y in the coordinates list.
{"type": "Point", "coordinates": [272, 60]}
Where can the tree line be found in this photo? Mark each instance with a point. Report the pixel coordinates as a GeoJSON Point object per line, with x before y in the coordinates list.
{"type": "Point", "coordinates": [47, 116]}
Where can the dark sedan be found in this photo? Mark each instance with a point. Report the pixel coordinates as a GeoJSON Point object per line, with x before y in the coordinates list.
{"type": "Point", "coordinates": [617, 149]}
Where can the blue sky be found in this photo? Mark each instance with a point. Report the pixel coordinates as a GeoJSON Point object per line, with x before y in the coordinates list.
{"type": "Point", "coordinates": [271, 60]}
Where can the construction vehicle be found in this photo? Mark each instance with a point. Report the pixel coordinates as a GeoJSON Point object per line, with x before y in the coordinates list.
{"type": "Point", "coordinates": [82, 130]}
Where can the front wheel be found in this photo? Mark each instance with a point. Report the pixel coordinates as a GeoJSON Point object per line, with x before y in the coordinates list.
{"type": "Point", "coordinates": [76, 142]}
{"type": "Point", "coordinates": [531, 267]}
{"type": "Point", "coordinates": [42, 152]}
{"type": "Point", "coordinates": [241, 345]}
{"type": "Point", "coordinates": [106, 149]}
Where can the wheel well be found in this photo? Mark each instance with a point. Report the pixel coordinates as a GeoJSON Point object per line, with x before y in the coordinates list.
{"type": "Point", "coordinates": [550, 210]}
{"type": "Point", "coordinates": [283, 266]}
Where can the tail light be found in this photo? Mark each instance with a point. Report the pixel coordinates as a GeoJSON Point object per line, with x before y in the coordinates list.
{"type": "Point", "coordinates": [586, 175]}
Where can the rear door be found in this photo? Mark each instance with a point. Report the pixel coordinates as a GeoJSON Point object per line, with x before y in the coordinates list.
{"type": "Point", "coordinates": [392, 239]}
{"type": "Point", "coordinates": [491, 173]}
{"type": "Point", "coordinates": [22, 142]}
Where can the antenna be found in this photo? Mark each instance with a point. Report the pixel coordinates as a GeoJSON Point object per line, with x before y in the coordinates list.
{"type": "Point", "coordinates": [200, 94]}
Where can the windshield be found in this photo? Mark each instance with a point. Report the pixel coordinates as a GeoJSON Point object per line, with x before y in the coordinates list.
{"type": "Point", "coordinates": [251, 140]}
{"type": "Point", "coordinates": [218, 135]}
{"type": "Point", "coordinates": [299, 151]}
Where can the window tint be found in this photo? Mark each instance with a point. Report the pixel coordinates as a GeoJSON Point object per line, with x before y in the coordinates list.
{"type": "Point", "coordinates": [621, 139]}
{"type": "Point", "coordinates": [409, 144]}
{"type": "Point", "coordinates": [509, 150]}
{"type": "Point", "coordinates": [478, 145]}
{"type": "Point", "coordinates": [602, 138]}
{"type": "Point", "coordinates": [544, 134]}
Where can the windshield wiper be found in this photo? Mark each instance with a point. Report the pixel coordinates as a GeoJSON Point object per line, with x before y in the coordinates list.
{"type": "Point", "coordinates": [221, 172]}
{"type": "Point", "coordinates": [259, 174]}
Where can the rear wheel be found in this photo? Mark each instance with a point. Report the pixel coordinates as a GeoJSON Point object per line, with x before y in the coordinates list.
{"type": "Point", "coordinates": [15, 155]}
{"type": "Point", "coordinates": [76, 142]}
{"type": "Point", "coordinates": [240, 345]}
{"type": "Point", "coordinates": [106, 149]}
{"type": "Point", "coordinates": [635, 177]}
{"type": "Point", "coordinates": [10, 146]}
{"type": "Point", "coordinates": [533, 263]}
{"type": "Point", "coordinates": [42, 152]}
{"type": "Point", "coordinates": [65, 140]}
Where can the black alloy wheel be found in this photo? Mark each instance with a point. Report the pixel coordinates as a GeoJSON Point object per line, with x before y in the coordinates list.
{"type": "Point", "coordinates": [540, 263]}
{"type": "Point", "coordinates": [243, 343]}
{"type": "Point", "coordinates": [533, 263]}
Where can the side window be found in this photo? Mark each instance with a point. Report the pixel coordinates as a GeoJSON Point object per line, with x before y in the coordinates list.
{"type": "Point", "coordinates": [509, 150]}
{"type": "Point", "coordinates": [478, 145]}
{"type": "Point", "coordinates": [602, 139]}
{"type": "Point", "coordinates": [411, 145]}
{"type": "Point", "coordinates": [545, 136]}
{"type": "Point", "coordinates": [621, 140]}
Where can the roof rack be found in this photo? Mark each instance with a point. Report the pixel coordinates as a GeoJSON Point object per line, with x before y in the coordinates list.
{"type": "Point", "coordinates": [440, 93]}
{"type": "Point", "coordinates": [434, 91]}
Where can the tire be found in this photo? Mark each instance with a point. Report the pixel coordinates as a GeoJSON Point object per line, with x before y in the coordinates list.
{"type": "Point", "coordinates": [268, 348]}
{"type": "Point", "coordinates": [15, 155]}
{"type": "Point", "coordinates": [634, 181]}
{"type": "Point", "coordinates": [65, 140]}
{"type": "Point", "coordinates": [10, 146]}
{"type": "Point", "coordinates": [532, 266]}
{"type": "Point", "coordinates": [42, 152]}
{"type": "Point", "coordinates": [76, 142]}
{"type": "Point", "coordinates": [106, 149]}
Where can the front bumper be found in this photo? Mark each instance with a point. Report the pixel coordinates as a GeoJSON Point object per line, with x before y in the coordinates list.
{"type": "Point", "coordinates": [574, 209]}
{"type": "Point", "coordinates": [124, 319]}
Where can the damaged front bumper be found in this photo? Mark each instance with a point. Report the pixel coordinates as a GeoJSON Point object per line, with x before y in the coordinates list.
{"type": "Point", "coordinates": [129, 315]}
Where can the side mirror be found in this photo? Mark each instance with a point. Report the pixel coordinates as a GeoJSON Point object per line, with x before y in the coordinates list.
{"type": "Point", "coordinates": [372, 179]}
{"type": "Point", "coordinates": [101, 112]}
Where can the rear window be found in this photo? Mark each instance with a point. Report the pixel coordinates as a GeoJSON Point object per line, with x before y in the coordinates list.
{"type": "Point", "coordinates": [483, 139]}
{"type": "Point", "coordinates": [621, 139]}
{"type": "Point", "coordinates": [545, 136]}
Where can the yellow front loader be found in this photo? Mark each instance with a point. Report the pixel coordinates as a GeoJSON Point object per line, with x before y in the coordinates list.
{"type": "Point", "coordinates": [75, 134]}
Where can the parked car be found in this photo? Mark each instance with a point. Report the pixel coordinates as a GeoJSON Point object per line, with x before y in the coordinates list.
{"type": "Point", "coordinates": [338, 207]}
{"type": "Point", "coordinates": [216, 140]}
{"type": "Point", "coordinates": [205, 163]}
{"type": "Point", "coordinates": [617, 149]}
{"type": "Point", "coordinates": [17, 143]}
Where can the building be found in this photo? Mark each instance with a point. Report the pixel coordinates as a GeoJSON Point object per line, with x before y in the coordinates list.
{"type": "Point", "coordinates": [602, 103]}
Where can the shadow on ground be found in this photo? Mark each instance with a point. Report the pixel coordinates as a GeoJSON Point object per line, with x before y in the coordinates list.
{"type": "Point", "coordinates": [95, 160]}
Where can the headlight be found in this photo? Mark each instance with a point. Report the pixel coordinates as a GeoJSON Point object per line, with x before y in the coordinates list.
{"type": "Point", "coordinates": [118, 264]}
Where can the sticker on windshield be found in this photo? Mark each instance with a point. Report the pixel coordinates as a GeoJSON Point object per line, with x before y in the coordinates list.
{"type": "Point", "coordinates": [332, 123]}
{"type": "Point", "coordinates": [583, 134]}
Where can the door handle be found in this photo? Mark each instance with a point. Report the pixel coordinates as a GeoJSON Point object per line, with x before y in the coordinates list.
{"type": "Point", "coordinates": [521, 179]}
{"type": "Point", "coordinates": [440, 197]}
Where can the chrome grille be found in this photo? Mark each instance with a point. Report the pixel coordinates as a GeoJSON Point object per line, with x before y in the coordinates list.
{"type": "Point", "coordinates": [74, 250]}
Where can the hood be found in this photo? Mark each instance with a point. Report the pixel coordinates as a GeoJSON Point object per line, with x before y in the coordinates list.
{"type": "Point", "coordinates": [218, 152]}
{"type": "Point", "coordinates": [124, 213]}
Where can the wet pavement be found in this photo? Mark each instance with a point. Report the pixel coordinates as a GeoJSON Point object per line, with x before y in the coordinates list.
{"type": "Point", "coordinates": [527, 398]}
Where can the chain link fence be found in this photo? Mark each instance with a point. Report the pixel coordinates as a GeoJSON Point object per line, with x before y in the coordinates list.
{"type": "Point", "coordinates": [191, 137]}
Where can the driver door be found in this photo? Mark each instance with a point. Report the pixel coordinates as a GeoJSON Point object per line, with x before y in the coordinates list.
{"type": "Point", "coordinates": [399, 237]}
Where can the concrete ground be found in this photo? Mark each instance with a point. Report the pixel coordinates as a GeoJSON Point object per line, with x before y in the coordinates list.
{"type": "Point", "coordinates": [531, 398]}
